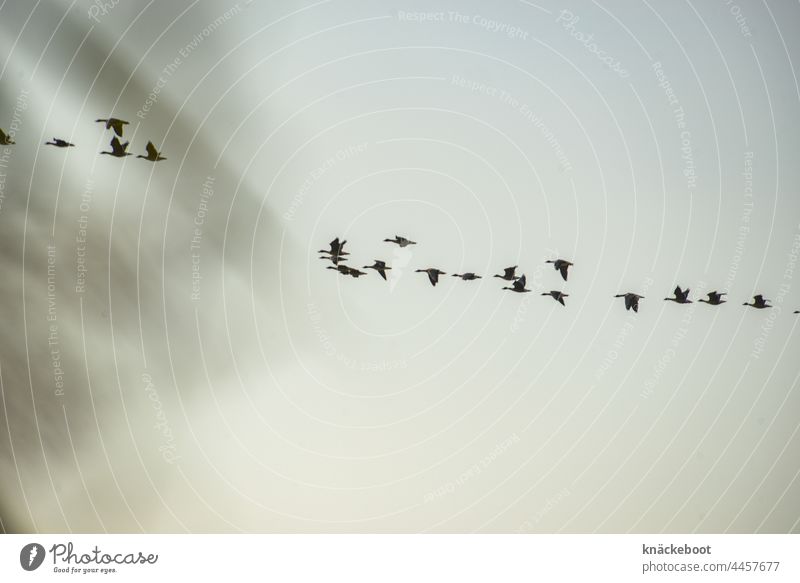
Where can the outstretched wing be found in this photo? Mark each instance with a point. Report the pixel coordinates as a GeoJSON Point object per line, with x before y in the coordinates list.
{"type": "Point", "coordinates": [520, 282]}
{"type": "Point", "coordinates": [560, 299]}
{"type": "Point", "coordinates": [433, 276]}
{"type": "Point", "coordinates": [151, 150]}
{"type": "Point", "coordinates": [563, 270]}
{"type": "Point", "coordinates": [759, 298]}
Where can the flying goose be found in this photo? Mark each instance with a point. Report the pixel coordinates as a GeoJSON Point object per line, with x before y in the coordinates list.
{"type": "Point", "coordinates": [557, 296]}
{"type": "Point", "coordinates": [758, 302]}
{"type": "Point", "coordinates": [402, 241]}
{"type": "Point", "coordinates": [631, 301]}
{"type": "Point", "coordinates": [518, 285]}
{"type": "Point", "coordinates": [561, 265]}
{"type": "Point", "coordinates": [117, 149]}
{"type": "Point", "coordinates": [714, 298]}
{"type": "Point", "coordinates": [5, 140]}
{"type": "Point", "coordinates": [355, 272]}
{"type": "Point", "coordinates": [59, 143]}
{"type": "Point", "coordinates": [508, 274]}
{"type": "Point", "coordinates": [467, 276]}
{"type": "Point", "coordinates": [336, 248]}
{"type": "Point", "coordinates": [113, 123]}
{"type": "Point", "coordinates": [681, 296]}
{"type": "Point", "coordinates": [153, 155]}
{"type": "Point", "coordinates": [433, 274]}
{"type": "Point", "coordinates": [335, 259]}
{"type": "Point", "coordinates": [343, 269]}
{"type": "Point", "coordinates": [380, 267]}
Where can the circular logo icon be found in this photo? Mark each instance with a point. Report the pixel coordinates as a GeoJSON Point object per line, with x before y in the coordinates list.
{"type": "Point", "coordinates": [31, 556]}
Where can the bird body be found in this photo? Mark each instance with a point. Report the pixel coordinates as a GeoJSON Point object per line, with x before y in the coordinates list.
{"type": "Point", "coordinates": [557, 296]}
{"type": "Point", "coordinates": [714, 298]}
{"type": "Point", "coordinates": [681, 296]}
{"type": "Point", "coordinates": [380, 267]}
{"type": "Point", "coordinates": [59, 143]}
{"type": "Point", "coordinates": [631, 301]}
{"type": "Point", "coordinates": [336, 248]}
{"type": "Point", "coordinates": [467, 276]}
{"type": "Point", "coordinates": [518, 285]}
{"type": "Point", "coordinates": [433, 274]}
{"type": "Point", "coordinates": [508, 274]}
{"type": "Point", "coordinates": [117, 150]}
{"type": "Point", "coordinates": [153, 155]}
{"type": "Point", "coordinates": [561, 265]}
{"type": "Point", "coordinates": [758, 302]}
{"type": "Point", "coordinates": [402, 241]}
{"type": "Point", "coordinates": [5, 140]}
{"type": "Point", "coordinates": [113, 123]}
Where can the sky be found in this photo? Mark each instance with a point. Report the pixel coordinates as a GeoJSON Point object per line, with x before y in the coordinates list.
{"type": "Point", "coordinates": [176, 358]}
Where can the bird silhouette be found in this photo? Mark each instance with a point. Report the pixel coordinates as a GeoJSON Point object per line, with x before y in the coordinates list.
{"type": "Point", "coordinates": [153, 155]}
{"type": "Point", "coordinates": [380, 267]}
{"type": "Point", "coordinates": [356, 273]}
{"type": "Point", "coordinates": [467, 276]}
{"type": "Point", "coordinates": [796, 312]}
{"type": "Point", "coordinates": [681, 296]}
{"type": "Point", "coordinates": [561, 265]}
{"type": "Point", "coordinates": [335, 259]}
{"type": "Point", "coordinates": [343, 269]}
{"type": "Point", "coordinates": [557, 296]}
{"type": "Point", "coordinates": [402, 241]}
{"type": "Point", "coordinates": [336, 248]}
{"type": "Point", "coordinates": [631, 301]}
{"type": "Point", "coordinates": [714, 298]}
{"type": "Point", "coordinates": [433, 274]}
{"type": "Point", "coordinates": [508, 274]}
{"type": "Point", "coordinates": [117, 149]}
{"type": "Point", "coordinates": [59, 143]}
{"type": "Point", "coordinates": [5, 140]}
{"type": "Point", "coordinates": [113, 123]}
{"type": "Point", "coordinates": [518, 285]}
{"type": "Point", "coordinates": [758, 302]}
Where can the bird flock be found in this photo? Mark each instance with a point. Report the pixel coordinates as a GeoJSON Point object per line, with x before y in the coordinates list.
{"type": "Point", "coordinates": [338, 256]}
{"type": "Point", "coordinates": [118, 149]}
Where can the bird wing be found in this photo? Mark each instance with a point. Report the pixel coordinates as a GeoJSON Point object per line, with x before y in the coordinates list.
{"type": "Point", "coordinates": [628, 301]}
{"type": "Point", "coordinates": [560, 299]}
{"type": "Point", "coordinates": [2, 136]}
{"type": "Point", "coordinates": [116, 146]}
{"type": "Point", "coordinates": [151, 150]}
{"type": "Point", "coordinates": [563, 270]}
{"type": "Point", "coordinates": [509, 271]}
{"type": "Point", "coordinates": [116, 125]}
{"type": "Point", "coordinates": [521, 281]}
{"type": "Point", "coordinates": [759, 298]}
{"type": "Point", "coordinates": [433, 276]}
{"type": "Point", "coordinates": [635, 306]}
{"type": "Point", "coordinates": [383, 273]}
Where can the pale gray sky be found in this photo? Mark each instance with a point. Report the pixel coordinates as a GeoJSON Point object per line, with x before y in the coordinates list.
{"type": "Point", "coordinates": [650, 144]}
